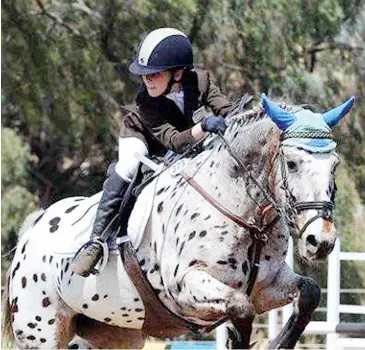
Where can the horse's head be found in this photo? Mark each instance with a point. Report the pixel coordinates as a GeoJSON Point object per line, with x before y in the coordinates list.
{"type": "Point", "coordinates": [308, 161]}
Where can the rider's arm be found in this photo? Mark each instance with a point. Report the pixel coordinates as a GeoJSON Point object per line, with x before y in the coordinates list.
{"type": "Point", "coordinates": [151, 122]}
{"type": "Point", "coordinates": [167, 134]}
{"type": "Point", "coordinates": [212, 96]}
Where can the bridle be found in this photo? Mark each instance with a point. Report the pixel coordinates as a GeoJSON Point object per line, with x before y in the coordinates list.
{"type": "Point", "coordinates": [289, 211]}
{"type": "Point", "coordinates": [324, 208]}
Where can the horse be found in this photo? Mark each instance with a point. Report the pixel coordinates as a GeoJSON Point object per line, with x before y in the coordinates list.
{"type": "Point", "coordinates": [212, 247]}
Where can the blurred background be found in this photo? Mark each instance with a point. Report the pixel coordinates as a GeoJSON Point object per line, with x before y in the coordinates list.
{"type": "Point", "coordinates": [65, 76]}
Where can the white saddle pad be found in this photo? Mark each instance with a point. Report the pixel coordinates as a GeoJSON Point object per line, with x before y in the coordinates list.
{"type": "Point", "coordinates": [76, 226]}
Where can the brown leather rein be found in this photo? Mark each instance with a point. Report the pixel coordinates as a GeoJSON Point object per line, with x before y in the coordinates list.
{"type": "Point", "coordinates": [249, 225]}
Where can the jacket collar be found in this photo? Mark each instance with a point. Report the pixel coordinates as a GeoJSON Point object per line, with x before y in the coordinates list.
{"type": "Point", "coordinates": [191, 95]}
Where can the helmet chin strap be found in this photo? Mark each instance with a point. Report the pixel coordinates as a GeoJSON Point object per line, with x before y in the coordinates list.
{"type": "Point", "coordinates": [171, 82]}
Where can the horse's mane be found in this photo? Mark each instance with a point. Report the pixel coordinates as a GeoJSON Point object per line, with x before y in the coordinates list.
{"type": "Point", "coordinates": [252, 135]}
{"type": "Point", "coordinates": [255, 129]}
{"type": "Point", "coordinates": [257, 113]}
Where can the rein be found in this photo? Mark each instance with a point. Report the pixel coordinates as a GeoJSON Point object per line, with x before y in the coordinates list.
{"type": "Point", "coordinates": [324, 208]}
{"type": "Point", "coordinates": [235, 218]}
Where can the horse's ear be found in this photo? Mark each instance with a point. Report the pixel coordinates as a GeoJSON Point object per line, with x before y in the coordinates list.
{"type": "Point", "coordinates": [282, 118]}
{"type": "Point", "coordinates": [333, 116]}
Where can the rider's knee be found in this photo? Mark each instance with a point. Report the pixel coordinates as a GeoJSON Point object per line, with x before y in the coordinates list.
{"type": "Point", "coordinates": [129, 150]}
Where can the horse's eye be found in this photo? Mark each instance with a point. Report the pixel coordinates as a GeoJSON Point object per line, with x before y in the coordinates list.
{"type": "Point", "coordinates": [292, 166]}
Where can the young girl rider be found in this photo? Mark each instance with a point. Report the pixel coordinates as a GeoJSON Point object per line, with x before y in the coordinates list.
{"type": "Point", "coordinates": [161, 120]}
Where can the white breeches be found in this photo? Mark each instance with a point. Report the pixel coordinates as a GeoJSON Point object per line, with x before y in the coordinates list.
{"type": "Point", "coordinates": [127, 162]}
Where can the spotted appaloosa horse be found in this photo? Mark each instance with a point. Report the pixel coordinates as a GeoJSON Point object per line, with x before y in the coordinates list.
{"type": "Point", "coordinates": [197, 256]}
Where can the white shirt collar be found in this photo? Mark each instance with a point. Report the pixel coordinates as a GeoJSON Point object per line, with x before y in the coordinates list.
{"type": "Point", "coordinates": [178, 98]}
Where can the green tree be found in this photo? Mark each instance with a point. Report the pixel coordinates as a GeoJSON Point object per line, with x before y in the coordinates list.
{"type": "Point", "coordinates": [17, 202]}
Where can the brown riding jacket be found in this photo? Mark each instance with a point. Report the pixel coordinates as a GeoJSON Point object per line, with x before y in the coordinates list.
{"type": "Point", "coordinates": [160, 124]}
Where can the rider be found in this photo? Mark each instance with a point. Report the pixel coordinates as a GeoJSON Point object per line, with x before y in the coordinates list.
{"type": "Point", "coordinates": [161, 119]}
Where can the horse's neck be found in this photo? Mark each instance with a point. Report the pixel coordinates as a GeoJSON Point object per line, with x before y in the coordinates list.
{"type": "Point", "coordinates": [217, 173]}
{"type": "Point", "coordinates": [257, 145]}
{"type": "Point", "coordinates": [218, 178]}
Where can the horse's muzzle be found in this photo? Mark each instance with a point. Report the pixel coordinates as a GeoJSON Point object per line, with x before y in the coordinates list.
{"type": "Point", "coordinates": [318, 250]}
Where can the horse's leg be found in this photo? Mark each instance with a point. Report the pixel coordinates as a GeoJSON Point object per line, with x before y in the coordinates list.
{"type": "Point", "coordinates": [104, 336]}
{"type": "Point", "coordinates": [282, 291]}
{"type": "Point", "coordinates": [39, 317]}
{"type": "Point", "coordinates": [309, 298]}
{"type": "Point", "coordinates": [239, 337]}
{"type": "Point", "coordinates": [48, 323]}
{"type": "Point", "coordinates": [65, 325]}
{"type": "Point", "coordinates": [200, 294]}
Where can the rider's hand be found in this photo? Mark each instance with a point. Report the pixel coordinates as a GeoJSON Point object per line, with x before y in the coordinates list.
{"type": "Point", "coordinates": [214, 124]}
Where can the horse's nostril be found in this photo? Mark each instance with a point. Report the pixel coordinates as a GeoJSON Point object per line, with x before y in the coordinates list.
{"type": "Point", "coordinates": [312, 240]}
{"type": "Point", "coordinates": [325, 247]}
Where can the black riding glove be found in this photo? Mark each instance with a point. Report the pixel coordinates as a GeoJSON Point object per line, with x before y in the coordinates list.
{"type": "Point", "coordinates": [214, 124]}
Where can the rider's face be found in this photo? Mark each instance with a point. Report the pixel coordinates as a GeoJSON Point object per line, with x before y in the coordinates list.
{"type": "Point", "coordinates": [156, 84]}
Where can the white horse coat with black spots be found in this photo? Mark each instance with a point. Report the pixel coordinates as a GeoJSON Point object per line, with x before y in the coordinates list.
{"type": "Point", "coordinates": [194, 256]}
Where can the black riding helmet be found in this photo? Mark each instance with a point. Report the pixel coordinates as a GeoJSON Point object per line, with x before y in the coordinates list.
{"type": "Point", "coordinates": [162, 49]}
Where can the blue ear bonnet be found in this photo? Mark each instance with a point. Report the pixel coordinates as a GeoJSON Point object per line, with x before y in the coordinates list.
{"type": "Point", "coordinates": [307, 121]}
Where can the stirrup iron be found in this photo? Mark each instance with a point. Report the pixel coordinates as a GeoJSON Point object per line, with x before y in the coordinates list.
{"type": "Point", "coordinates": [104, 258]}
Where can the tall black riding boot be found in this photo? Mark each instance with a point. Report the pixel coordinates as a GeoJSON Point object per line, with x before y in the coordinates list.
{"type": "Point", "coordinates": [86, 259]}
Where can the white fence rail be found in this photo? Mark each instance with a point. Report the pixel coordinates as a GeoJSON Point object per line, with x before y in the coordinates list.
{"type": "Point", "coordinates": [330, 327]}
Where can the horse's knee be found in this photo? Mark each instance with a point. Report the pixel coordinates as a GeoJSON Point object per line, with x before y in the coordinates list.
{"type": "Point", "coordinates": [310, 295]}
{"type": "Point", "coordinates": [239, 305]}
